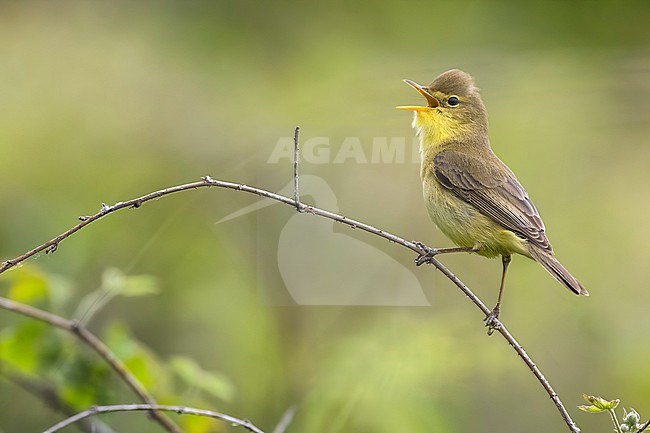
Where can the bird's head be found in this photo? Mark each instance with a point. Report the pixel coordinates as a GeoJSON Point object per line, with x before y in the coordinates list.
{"type": "Point", "coordinates": [454, 108]}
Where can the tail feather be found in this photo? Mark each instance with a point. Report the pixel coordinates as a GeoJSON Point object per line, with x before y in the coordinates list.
{"type": "Point", "coordinates": [555, 268]}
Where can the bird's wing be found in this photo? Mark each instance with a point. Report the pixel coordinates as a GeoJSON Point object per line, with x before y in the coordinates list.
{"type": "Point", "coordinates": [493, 189]}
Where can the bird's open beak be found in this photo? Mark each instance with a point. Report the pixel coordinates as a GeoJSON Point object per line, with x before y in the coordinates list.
{"type": "Point", "coordinates": [432, 102]}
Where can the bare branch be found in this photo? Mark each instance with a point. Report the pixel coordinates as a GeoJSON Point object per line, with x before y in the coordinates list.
{"type": "Point", "coordinates": [98, 346]}
{"type": "Point", "coordinates": [52, 245]}
{"type": "Point", "coordinates": [181, 410]}
{"type": "Point", "coordinates": [296, 160]}
{"type": "Point", "coordinates": [206, 181]}
{"type": "Point", "coordinates": [414, 246]}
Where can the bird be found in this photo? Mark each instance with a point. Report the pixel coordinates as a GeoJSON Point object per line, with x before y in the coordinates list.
{"type": "Point", "coordinates": [470, 194]}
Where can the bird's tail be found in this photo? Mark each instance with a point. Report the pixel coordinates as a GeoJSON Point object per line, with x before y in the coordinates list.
{"type": "Point", "coordinates": [555, 268]}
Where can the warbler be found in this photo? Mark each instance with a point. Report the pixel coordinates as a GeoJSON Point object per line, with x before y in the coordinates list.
{"type": "Point", "coordinates": [470, 194]}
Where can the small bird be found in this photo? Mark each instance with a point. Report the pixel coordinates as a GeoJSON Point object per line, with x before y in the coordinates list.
{"type": "Point", "coordinates": [470, 194]}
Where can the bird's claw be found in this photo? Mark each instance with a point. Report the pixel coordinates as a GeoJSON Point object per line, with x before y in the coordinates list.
{"type": "Point", "coordinates": [492, 319]}
{"type": "Point", "coordinates": [427, 256]}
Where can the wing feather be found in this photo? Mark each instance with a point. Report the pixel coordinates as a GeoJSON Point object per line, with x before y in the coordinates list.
{"type": "Point", "coordinates": [491, 187]}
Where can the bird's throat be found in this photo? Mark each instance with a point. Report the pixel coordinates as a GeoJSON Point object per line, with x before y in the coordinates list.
{"type": "Point", "coordinates": [435, 128]}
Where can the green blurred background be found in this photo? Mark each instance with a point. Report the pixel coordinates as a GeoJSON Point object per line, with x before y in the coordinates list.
{"type": "Point", "coordinates": [106, 101]}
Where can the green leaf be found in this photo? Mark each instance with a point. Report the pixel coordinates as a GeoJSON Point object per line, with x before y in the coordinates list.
{"type": "Point", "coordinates": [115, 283]}
{"type": "Point", "coordinates": [140, 285]}
{"type": "Point", "coordinates": [118, 338]}
{"type": "Point", "coordinates": [84, 380]}
{"type": "Point", "coordinates": [28, 285]}
{"type": "Point", "coordinates": [600, 403]}
{"type": "Point", "coordinates": [20, 346]}
{"type": "Point", "coordinates": [193, 375]}
{"type": "Point", "coordinates": [591, 409]}
{"type": "Point", "coordinates": [631, 418]}
{"type": "Point", "coordinates": [136, 357]}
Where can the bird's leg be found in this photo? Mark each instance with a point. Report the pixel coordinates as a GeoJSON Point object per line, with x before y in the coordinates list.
{"type": "Point", "coordinates": [494, 314]}
{"type": "Point", "coordinates": [432, 252]}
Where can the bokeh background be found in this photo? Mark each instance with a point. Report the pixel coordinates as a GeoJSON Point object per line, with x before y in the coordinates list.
{"type": "Point", "coordinates": [106, 101]}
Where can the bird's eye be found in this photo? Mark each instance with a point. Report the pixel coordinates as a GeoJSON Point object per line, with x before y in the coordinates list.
{"type": "Point", "coordinates": [452, 101]}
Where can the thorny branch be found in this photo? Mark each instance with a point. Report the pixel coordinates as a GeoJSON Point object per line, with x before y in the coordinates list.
{"type": "Point", "coordinates": [181, 410]}
{"type": "Point", "coordinates": [207, 182]}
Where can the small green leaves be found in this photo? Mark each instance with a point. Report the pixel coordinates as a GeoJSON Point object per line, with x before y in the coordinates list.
{"type": "Point", "coordinates": [631, 419]}
{"type": "Point", "coordinates": [590, 409]}
{"type": "Point", "coordinates": [115, 283]}
{"type": "Point", "coordinates": [21, 346]}
{"type": "Point", "coordinates": [140, 361]}
{"type": "Point", "coordinates": [193, 375]}
{"type": "Point", "coordinates": [27, 285]}
{"type": "Point", "coordinates": [36, 354]}
{"type": "Point", "coordinates": [598, 404]}
{"type": "Point", "coordinates": [113, 280]}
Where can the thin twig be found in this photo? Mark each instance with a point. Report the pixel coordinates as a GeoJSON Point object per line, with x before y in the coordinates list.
{"type": "Point", "coordinates": [52, 245]}
{"type": "Point", "coordinates": [98, 346]}
{"type": "Point", "coordinates": [205, 182]}
{"type": "Point", "coordinates": [414, 246]}
{"type": "Point", "coordinates": [498, 326]}
{"type": "Point", "coordinates": [296, 160]}
{"type": "Point", "coordinates": [181, 410]}
{"type": "Point", "coordinates": [612, 414]}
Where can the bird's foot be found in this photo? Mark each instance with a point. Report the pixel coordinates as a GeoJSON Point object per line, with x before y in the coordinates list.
{"type": "Point", "coordinates": [427, 256]}
{"type": "Point", "coordinates": [492, 319]}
